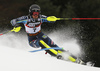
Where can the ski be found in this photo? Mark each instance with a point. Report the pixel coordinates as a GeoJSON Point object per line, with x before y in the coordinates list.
{"type": "Point", "coordinates": [45, 49]}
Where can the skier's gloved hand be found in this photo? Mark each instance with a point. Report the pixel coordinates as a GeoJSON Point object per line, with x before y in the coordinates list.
{"type": "Point", "coordinates": [13, 22]}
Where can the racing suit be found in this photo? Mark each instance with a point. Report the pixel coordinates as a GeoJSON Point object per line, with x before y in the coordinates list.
{"type": "Point", "coordinates": [33, 30]}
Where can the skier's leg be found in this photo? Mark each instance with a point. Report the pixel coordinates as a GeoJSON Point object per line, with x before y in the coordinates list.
{"type": "Point", "coordinates": [43, 41]}
{"type": "Point", "coordinates": [49, 44]}
{"type": "Point", "coordinates": [46, 42]}
{"type": "Point", "coordinates": [52, 52]}
{"type": "Point", "coordinates": [33, 41]}
{"type": "Point", "coordinates": [60, 55]}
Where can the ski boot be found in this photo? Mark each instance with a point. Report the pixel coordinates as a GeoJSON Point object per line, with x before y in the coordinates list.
{"type": "Point", "coordinates": [65, 55]}
{"type": "Point", "coordinates": [79, 61]}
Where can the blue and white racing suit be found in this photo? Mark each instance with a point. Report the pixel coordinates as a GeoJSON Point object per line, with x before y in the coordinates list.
{"type": "Point", "coordinates": [33, 29]}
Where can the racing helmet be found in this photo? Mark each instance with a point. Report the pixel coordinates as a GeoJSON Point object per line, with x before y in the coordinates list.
{"type": "Point", "coordinates": [34, 8]}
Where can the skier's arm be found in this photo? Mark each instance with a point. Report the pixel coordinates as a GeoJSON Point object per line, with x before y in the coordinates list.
{"type": "Point", "coordinates": [16, 22]}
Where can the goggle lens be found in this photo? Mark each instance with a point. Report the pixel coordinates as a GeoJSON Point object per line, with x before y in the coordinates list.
{"type": "Point", "coordinates": [35, 13]}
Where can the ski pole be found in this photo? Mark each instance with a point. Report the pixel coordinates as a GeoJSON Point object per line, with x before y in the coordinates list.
{"type": "Point", "coordinates": [45, 49]}
{"type": "Point", "coordinates": [53, 18]}
{"type": "Point", "coordinates": [15, 29]}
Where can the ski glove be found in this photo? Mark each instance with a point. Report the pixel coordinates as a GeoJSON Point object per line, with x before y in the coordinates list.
{"type": "Point", "coordinates": [13, 22]}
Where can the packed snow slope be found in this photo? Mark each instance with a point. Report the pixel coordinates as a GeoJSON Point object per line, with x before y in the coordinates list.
{"type": "Point", "coordinates": [12, 59]}
{"type": "Point", "coordinates": [15, 55]}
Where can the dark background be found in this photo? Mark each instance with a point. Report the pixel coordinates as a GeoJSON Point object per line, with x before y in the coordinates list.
{"type": "Point", "coordinates": [89, 33]}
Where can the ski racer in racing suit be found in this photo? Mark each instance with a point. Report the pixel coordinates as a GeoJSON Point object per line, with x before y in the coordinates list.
{"type": "Point", "coordinates": [32, 23]}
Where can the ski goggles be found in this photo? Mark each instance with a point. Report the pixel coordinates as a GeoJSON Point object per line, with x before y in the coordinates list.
{"type": "Point", "coordinates": [35, 13]}
{"type": "Point", "coordinates": [36, 10]}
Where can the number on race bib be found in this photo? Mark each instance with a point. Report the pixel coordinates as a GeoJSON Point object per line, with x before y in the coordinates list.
{"type": "Point", "coordinates": [34, 29]}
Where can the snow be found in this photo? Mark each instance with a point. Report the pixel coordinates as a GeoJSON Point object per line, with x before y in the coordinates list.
{"type": "Point", "coordinates": [18, 60]}
{"type": "Point", "coordinates": [15, 56]}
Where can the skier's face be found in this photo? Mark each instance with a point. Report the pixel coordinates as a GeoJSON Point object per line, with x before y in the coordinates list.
{"type": "Point", "coordinates": [35, 15]}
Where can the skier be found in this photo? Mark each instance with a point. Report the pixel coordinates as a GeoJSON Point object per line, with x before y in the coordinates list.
{"type": "Point", "coordinates": [32, 23]}
{"type": "Point", "coordinates": [36, 37]}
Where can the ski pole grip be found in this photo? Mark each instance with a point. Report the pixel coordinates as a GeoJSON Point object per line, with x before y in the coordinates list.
{"type": "Point", "coordinates": [16, 29]}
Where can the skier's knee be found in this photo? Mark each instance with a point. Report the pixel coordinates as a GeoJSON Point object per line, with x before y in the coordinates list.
{"type": "Point", "coordinates": [34, 43]}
